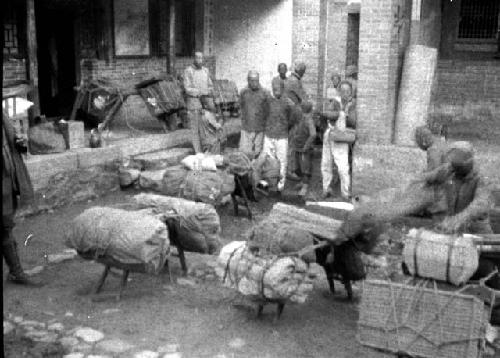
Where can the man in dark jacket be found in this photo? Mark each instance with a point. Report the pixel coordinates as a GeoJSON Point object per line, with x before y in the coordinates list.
{"type": "Point", "coordinates": [15, 184]}
{"type": "Point", "coordinates": [280, 80]}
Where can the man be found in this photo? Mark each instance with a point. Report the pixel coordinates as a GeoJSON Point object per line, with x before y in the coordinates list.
{"type": "Point", "coordinates": [254, 107]}
{"type": "Point", "coordinates": [280, 80]}
{"type": "Point", "coordinates": [294, 90]}
{"type": "Point", "coordinates": [278, 123]}
{"type": "Point", "coordinates": [15, 183]}
{"type": "Point", "coordinates": [199, 92]}
{"type": "Point", "coordinates": [333, 91]}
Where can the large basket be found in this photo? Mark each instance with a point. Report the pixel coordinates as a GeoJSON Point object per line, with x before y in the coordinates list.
{"type": "Point", "coordinates": [422, 322]}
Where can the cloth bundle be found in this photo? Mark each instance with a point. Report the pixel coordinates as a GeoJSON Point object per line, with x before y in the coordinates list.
{"type": "Point", "coordinates": [207, 187]}
{"type": "Point", "coordinates": [276, 278]}
{"type": "Point", "coordinates": [129, 237]}
{"type": "Point", "coordinates": [46, 138]}
{"type": "Point", "coordinates": [238, 163]}
{"type": "Point", "coordinates": [199, 223]}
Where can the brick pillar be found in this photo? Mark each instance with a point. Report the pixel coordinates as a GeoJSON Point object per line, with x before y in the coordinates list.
{"type": "Point", "coordinates": [378, 71]}
{"type": "Point", "coordinates": [336, 37]}
{"type": "Point", "coordinates": [305, 45]}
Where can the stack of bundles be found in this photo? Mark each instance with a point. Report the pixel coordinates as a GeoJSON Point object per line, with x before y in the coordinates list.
{"type": "Point", "coordinates": [272, 237]}
{"type": "Point", "coordinates": [225, 92]}
{"type": "Point", "coordinates": [129, 237]}
{"type": "Point", "coordinates": [46, 138]}
{"type": "Point", "coordinates": [238, 163]}
{"type": "Point", "coordinates": [271, 278]}
{"type": "Point", "coordinates": [199, 223]}
{"type": "Point", "coordinates": [162, 96]}
{"type": "Point", "coordinates": [173, 180]}
{"type": "Point", "coordinates": [207, 187]}
{"type": "Point", "coordinates": [268, 169]}
{"type": "Point", "coordinates": [441, 257]}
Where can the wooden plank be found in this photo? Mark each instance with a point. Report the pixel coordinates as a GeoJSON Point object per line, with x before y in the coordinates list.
{"type": "Point", "coordinates": [32, 56]}
{"type": "Point", "coordinates": [171, 38]}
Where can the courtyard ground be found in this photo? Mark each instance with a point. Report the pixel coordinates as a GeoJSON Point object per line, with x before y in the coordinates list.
{"type": "Point", "coordinates": [191, 317]}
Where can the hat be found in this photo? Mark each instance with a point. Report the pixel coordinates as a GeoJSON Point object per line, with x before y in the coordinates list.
{"type": "Point", "coordinates": [253, 74]}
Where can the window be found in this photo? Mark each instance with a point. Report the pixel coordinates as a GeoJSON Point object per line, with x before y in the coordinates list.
{"type": "Point", "coordinates": [479, 19]}
{"type": "Point", "coordinates": [185, 28]}
{"type": "Point", "coordinates": [14, 29]}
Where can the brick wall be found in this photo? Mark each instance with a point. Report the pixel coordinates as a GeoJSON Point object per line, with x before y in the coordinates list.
{"type": "Point", "coordinates": [14, 70]}
{"type": "Point", "coordinates": [379, 66]}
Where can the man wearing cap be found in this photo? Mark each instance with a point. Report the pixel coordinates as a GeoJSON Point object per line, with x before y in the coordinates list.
{"type": "Point", "coordinates": [254, 109]}
{"type": "Point", "coordinates": [199, 95]}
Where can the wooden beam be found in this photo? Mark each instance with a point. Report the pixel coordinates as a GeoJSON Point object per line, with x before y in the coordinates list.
{"type": "Point", "coordinates": [32, 59]}
{"type": "Point", "coordinates": [171, 38]}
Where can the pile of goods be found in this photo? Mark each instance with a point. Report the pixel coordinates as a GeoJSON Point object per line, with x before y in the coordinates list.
{"type": "Point", "coordinates": [269, 278]}
{"type": "Point", "coordinates": [128, 237]}
{"type": "Point", "coordinates": [226, 97]}
{"type": "Point", "coordinates": [199, 224]}
{"type": "Point", "coordinates": [46, 137]}
{"type": "Point", "coordinates": [199, 178]}
{"type": "Point", "coordinates": [162, 96]}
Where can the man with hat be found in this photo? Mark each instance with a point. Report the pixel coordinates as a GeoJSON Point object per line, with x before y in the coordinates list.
{"type": "Point", "coordinates": [254, 109]}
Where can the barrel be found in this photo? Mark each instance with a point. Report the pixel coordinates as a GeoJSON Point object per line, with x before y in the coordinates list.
{"type": "Point", "coordinates": [449, 258]}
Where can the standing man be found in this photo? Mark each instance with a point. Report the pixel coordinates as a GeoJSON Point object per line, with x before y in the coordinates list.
{"type": "Point", "coordinates": [199, 91]}
{"type": "Point", "coordinates": [295, 92]}
{"type": "Point", "coordinates": [351, 75]}
{"type": "Point", "coordinates": [254, 108]}
{"type": "Point", "coordinates": [16, 184]}
{"type": "Point", "coordinates": [280, 80]}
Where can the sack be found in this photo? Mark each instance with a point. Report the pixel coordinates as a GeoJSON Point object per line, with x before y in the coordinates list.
{"type": "Point", "coordinates": [45, 138]}
{"type": "Point", "coordinates": [238, 163]}
{"type": "Point", "coordinates": [441, 257]}
{"type": "Point", "coordinates": [225, 92]}
{"type": "Point", "coordinates": [207, 187]}
{"type": "Point", "coordinates": [200, 162]}
{"type": "Point", "coordinates": [286, 278]}
{"type": "Point", "coordinates": [128, 237]}
{"type": "Point", "coordinates": [345, 136]}
{"type": "Point", "coordinates": [173, 180]}
{"type": "Point", "coordinates": [199, 223]}
{"type": "Point", "coordinates": [161, 96]}
{"type": "Point", "coordinates": [128, 176]}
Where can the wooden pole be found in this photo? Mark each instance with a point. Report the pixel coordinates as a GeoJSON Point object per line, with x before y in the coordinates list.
{"type": "Point", "coordinates": [32, 65]}
{"type": "Point", "coordinates": [171, 38]}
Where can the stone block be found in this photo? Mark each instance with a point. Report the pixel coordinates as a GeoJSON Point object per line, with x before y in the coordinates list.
{"type": "Point", "coordinates": [42, 167]}
{"type": "Point", "coordinates": [89, 157]}
{"type": "Point", "coordinates": [75, 134]}
{"type": "Point", "coordinates": [377, 167]}
{"type": "Point", "coordinates": [162, 159]}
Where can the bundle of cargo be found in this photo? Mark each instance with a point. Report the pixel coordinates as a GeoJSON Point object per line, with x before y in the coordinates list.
{"type": "Point", "coordinates": [46, 137]}
{"type": "Point", "coordinates": [127, 237]}
{"type": "Point", "coordinates": [162, 96]}
{"type": "Point", "coordinates": [448, 258]}
{"type": "Point", "coordinates": [267, 278]}
{"type": "Point", "coordinates": [226, 96]}
{"type": "Point", "coordinates": [207, 187]}
{"type": "Point", "coordinates": [416, 321]}
{"type": "Point", "coordinates": [199, 224]}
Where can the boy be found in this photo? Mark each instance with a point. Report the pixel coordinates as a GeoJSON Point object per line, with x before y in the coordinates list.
{"type": "Point", "coordinates": [302, 147]}
{"type": "Point", "coordinates": [336, 150]}
{"type": "Point", "coordinates": [277, 125]}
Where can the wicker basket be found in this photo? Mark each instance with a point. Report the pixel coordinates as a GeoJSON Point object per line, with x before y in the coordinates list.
{"type": "Point", "coordinates": [422, 322]}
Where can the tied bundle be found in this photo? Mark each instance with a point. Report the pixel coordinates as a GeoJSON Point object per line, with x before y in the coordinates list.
{"type": "Point", "coordinates": [271, 278]}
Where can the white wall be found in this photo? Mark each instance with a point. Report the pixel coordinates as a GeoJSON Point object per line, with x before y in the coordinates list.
{"type": "Point", "coordinates": [252, 35]}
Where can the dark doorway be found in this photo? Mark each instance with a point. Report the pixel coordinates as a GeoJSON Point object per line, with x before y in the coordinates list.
{"type": "Point", "coordinates": [352, 51]}
{"type": "Point", "coordinates": [56, 58]}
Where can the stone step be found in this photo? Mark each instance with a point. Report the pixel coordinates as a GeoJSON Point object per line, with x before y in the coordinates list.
{"type": "Point", "coordinates": [161, 159]}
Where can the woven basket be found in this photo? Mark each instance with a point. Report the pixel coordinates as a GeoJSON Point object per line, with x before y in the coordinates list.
{"type": "Point", "coordinates": [421, 322]}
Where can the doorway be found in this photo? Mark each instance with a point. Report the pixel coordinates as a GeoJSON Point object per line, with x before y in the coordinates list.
{"type": "Point", "coordinates": [56, 57]}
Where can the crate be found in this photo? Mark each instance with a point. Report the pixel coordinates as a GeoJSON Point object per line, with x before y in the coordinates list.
{"type": "Point", "coordinates": [422, 322]}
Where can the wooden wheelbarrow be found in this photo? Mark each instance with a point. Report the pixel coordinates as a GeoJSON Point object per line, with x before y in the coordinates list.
{"type": "Point", "coordinates": [109, 263]}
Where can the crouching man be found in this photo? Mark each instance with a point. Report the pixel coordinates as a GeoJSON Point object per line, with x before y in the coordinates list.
{"type": "Point", "coordinates": [15, 183]}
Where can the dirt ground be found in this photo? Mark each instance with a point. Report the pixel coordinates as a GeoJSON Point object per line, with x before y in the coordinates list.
{"type": "Point", "coordinates": [204, 319]}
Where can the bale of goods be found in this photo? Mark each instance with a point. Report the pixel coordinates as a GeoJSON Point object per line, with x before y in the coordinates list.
{"type": "Point", "coordinates": [46, 138]}
{"type": "Point", "coordinates": [201, 162]}
{"type": "Point", "coordinates": [441, 257]}
{"type": "Point", "coordinates": [275, 238]}
{"type": "Point", "coordinates": [319, 226]}
{"type": "Point", "coordinates": [125, 236]}
{"type": "Point", "coordinates": [271, 278]}
{"type": "Point", "coordinates": [173, 180]}
{"type": "Point", "coordinates": [207, 187]}
{"type": "Point", "coordinates": [162, 96]}
{"type": "Point", "coordinates": [199, 222]}
{"type": "Point", "coordinates": [238, 163]}
{"type": "Point", "coordinates": [421, 322]}
{"type": "Point", "coordinates": [225, 92]}
{"type": "Point", "coordinates": [128, 176]}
